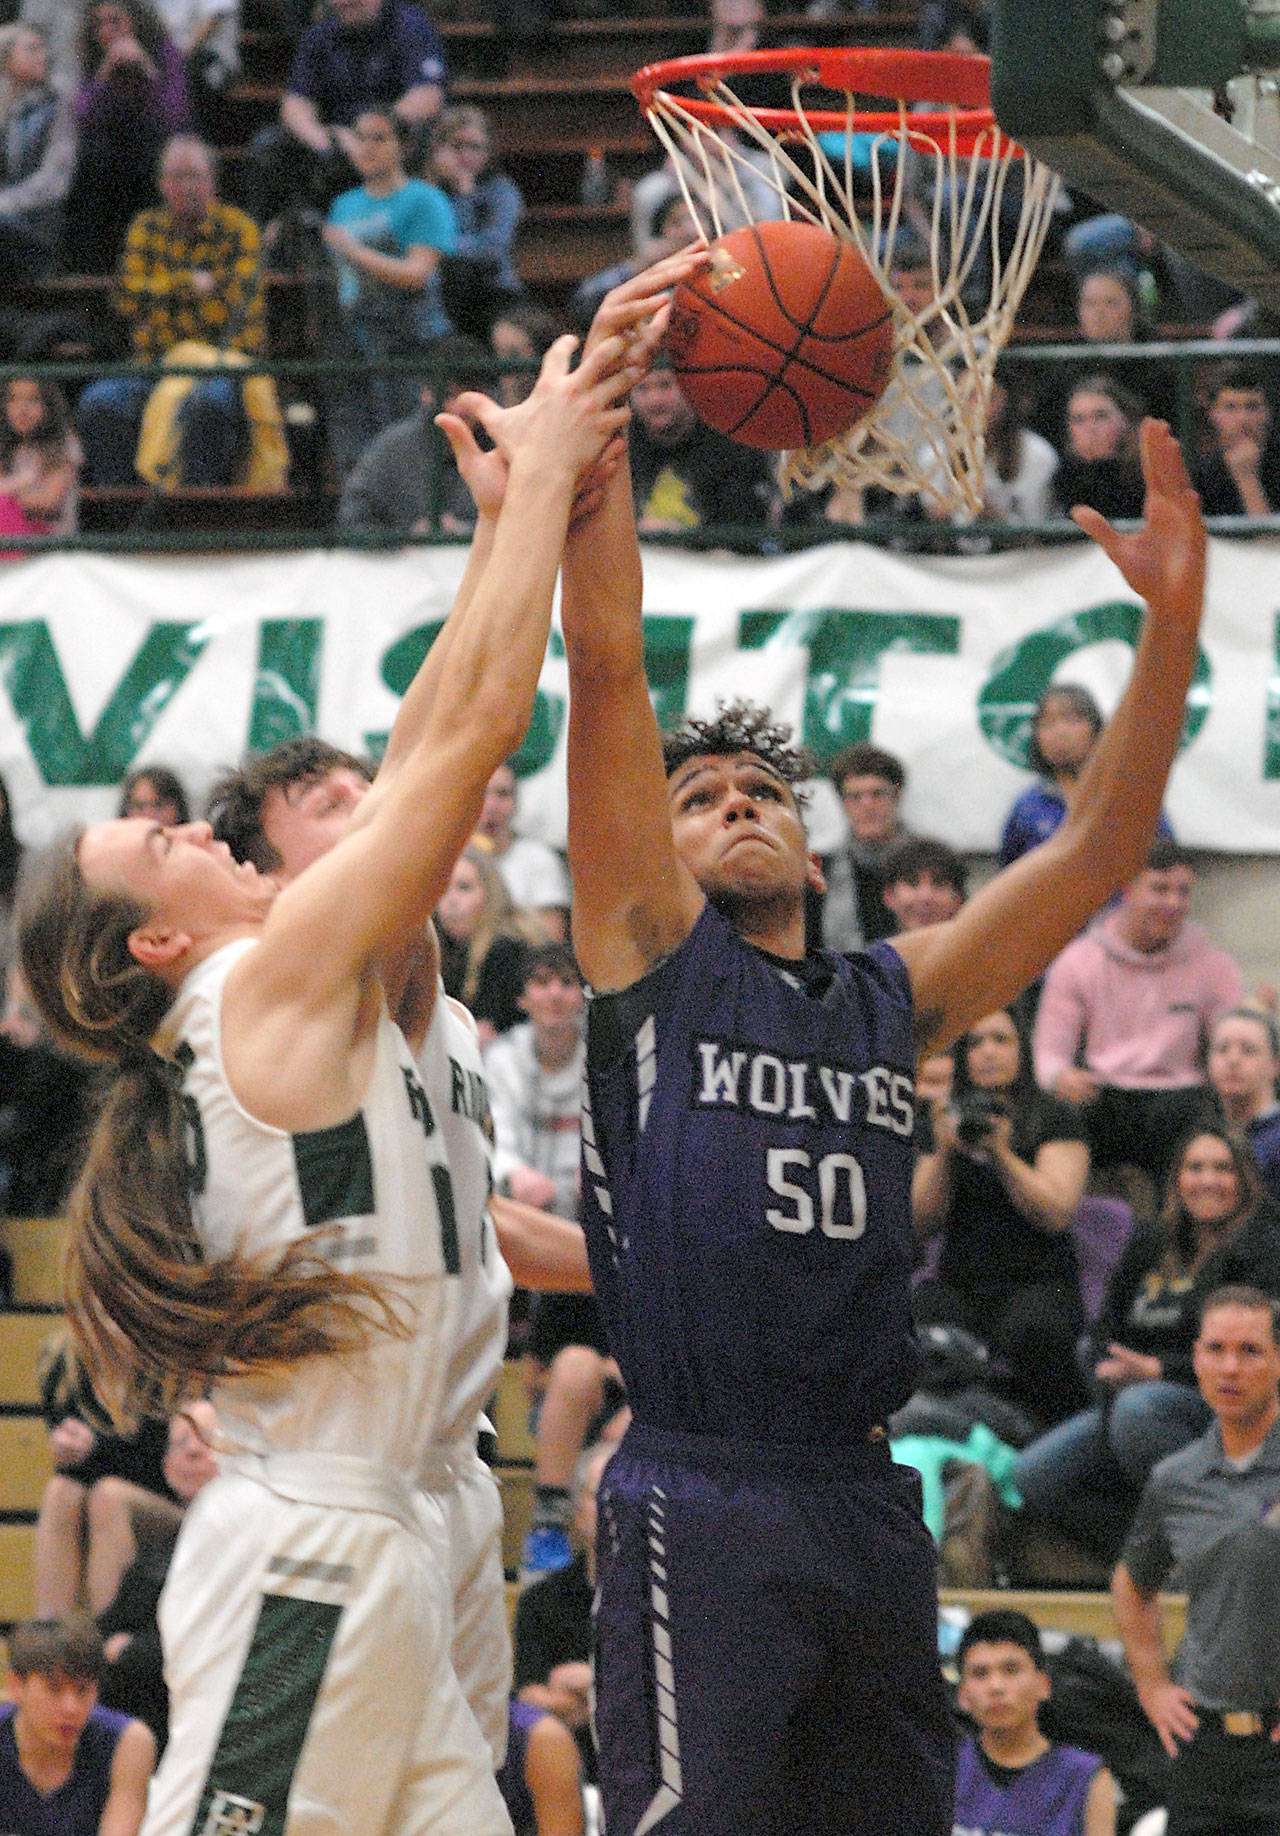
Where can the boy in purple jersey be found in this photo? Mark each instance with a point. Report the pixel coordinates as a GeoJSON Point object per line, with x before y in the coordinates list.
{"type": "Point", "coordinates": [67, 1767]}
{"type": "Point", "coordinates": [1010, 1780]}
{"type": "Point", "coordinates": [766, 1624]}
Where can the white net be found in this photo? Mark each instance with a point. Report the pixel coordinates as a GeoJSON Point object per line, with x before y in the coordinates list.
{"type": "Point", "coordinates": [953, 226]}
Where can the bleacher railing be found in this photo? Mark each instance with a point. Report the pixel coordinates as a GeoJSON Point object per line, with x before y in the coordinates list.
{"type": "Point", "coordinates": [318, 530]}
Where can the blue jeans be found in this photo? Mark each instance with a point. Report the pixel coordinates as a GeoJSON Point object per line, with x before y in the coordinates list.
{"type": "Point", "coordinates": [212, 430]}
{"type": "Point", "coordinates": [1084, 1477]}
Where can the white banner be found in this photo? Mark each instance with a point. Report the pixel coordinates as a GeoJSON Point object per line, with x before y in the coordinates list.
{"type": "Point", "coordinates": [107, 662]}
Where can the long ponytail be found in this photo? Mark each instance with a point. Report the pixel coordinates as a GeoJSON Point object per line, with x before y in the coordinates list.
{"type": "Point", "coordinates": [153, 1321]}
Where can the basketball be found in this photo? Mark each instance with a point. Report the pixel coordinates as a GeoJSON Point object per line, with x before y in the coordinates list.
{"type": "Point", "coordinates": [785, 339]}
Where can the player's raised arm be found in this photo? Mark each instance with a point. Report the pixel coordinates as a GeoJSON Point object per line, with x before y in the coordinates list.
{"type": "Point", "coordinates": [1005, 935]}
{"type": "Point", "coordinates": [382, 880]}
{"type": "Point", "coordinates": [633, 901]}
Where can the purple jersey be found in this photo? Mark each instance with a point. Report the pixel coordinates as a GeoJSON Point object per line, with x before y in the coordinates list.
{"type": "Point", "coordinates": [1046, 1798]}
{"type": "Point", "coordinates": [76, 1807]}
{"type": "Point", "coordinates": [512, 1781]}
{"type": "Point", "coordinates": [746, 1188]}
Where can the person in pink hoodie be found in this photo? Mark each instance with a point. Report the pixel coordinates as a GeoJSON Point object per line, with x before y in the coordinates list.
{"type": "Point", "coordinates": [1126, 1014]}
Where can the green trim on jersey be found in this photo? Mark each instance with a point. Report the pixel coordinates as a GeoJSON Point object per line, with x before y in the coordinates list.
{"type": "Point", "coordinates": [335, 1172]}
{"type": "Point", "coordinates": [249, 1779]}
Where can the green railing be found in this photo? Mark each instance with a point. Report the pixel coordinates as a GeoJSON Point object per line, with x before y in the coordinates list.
{"type": "Point", "coordinates": [317, 530]}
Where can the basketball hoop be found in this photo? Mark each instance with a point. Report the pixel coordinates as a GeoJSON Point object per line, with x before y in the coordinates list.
{"type": "Point", "coordinates": [931, 165]}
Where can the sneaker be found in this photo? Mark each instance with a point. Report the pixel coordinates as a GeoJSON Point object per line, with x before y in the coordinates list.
{"type": "Point", "coordinates": [546, 1548]}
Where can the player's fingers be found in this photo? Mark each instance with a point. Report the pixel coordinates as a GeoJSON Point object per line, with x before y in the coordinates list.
{"type": "Point", "coordinates": [1085, 517]}
{"type": "Point", "coordinates": [471, 405]}
{"type": "Point", "coordinates": [600, 358]}
{"type": "Point", "coordinates": [559, 356]}
{"type": "Point", "coordinates": [459, 436]}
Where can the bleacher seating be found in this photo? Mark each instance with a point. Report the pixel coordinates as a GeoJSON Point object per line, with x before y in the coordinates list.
{"type": "Point", "coordinates": [35, 1245]}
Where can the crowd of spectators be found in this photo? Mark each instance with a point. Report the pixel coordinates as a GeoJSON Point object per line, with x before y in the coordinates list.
{"type": "Point", "coordinates": [386, 199]}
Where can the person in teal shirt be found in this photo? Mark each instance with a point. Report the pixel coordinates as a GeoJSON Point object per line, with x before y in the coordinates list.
{"type": "Point", "coordinates": [387, 237]}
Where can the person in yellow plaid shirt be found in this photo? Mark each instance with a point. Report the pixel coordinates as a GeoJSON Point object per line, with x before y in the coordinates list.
{"type": "Point", "coordinates": [190, 270]}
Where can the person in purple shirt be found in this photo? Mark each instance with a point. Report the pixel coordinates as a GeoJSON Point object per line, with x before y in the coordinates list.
{"type": "Point", "coordinates": [358, 54]}
{"type": "Point", "coordinates": [132, 99]}
{"type": "Point", "coordinates": [1064, 730]}
{"type": "Point", "coordinates": [1009, 1778]}
{"type": "Point", "coordinates": [767, 1611]}
{"type": "Point", "coordinates": [539, 1779]}
{"type": "Point", "coordinates": [67, 1767]}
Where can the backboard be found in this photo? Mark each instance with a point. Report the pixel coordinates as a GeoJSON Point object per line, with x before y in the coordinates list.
{"type": "Point", "coordinates": [1164, 110]}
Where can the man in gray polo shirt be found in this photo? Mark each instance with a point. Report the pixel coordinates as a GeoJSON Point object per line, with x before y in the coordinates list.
{"type": "Point", "coordinates": [1209, 1523]}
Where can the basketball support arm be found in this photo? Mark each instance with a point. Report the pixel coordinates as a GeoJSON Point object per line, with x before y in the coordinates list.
{"type": "Point", "coordinates": [1102, 94]}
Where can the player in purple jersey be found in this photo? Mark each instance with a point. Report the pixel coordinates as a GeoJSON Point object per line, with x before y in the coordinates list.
{"type": "Point", "coordinates": [766, 1658]}
{"type": "Point", "coordinates": [1010, 1780]}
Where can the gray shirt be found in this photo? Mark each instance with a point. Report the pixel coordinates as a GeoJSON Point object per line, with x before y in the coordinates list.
{"type": "Point", "coordinates": [1214, 1531]}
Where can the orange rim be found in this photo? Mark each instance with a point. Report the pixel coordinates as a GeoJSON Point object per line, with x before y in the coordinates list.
{"type": "Point", "coordinates": [959, 80]}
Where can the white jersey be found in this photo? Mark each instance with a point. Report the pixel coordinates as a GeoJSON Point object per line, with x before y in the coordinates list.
{"type": "Point", "coordinates": [452, 1072]}
{"type": "Point", "coordinates": [377, 1193]}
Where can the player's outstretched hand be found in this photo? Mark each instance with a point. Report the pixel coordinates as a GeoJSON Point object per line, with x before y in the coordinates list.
{"type": "Point", "coordinates": [638, 310]}
{"type": "Point", "coordinates": [570, 417]}
{"type": "Point", "coordinates": [1163, 560]}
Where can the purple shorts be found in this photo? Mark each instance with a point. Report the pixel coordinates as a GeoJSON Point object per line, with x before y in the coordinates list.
{"type": "Point", "coordinates": [766, 1644]}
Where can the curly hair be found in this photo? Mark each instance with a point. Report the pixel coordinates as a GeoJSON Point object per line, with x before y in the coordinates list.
{"type": "Point", "coordinates": [739, 726]}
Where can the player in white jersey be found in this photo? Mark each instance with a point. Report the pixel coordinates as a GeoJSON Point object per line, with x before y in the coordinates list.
{"type": "Point", "coordinates": [282, 810]}
{"type": "Point", "coordinates": [268, 1212]}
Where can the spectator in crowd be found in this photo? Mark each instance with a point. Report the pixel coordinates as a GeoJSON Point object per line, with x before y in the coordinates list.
{"type": "Point", "coordinates": [387, 237]}
{"type": "Point", "coordinates": [478, 279]}
{"type": "Point", "coordinates": [1018, 466]}
{"type": "Point", "coordinates": [357, 54]}
{"type": "Point", "coordinates": [1124, 1014]}
{"type": "Point", "coordinates": [535, 1075]}
{"type": "Point", "coordinates": [1243, 1065]}
{"type": "Point", "coordinates": [534, 873]}
{"type": "Point", "coordinates": [1065, 725]}
{"type": "Point", "coordinates": [1100, 459]}
{"type": "Point", "coordinates": [67, 1765]}
{"type": "Point", "coordinates": [925, 882]}
{"type": "Point", "coordinates": [870, 782]}
{"type": "Point", "coordinates": [541, 1777]}
{"type": "Point", "coordinates": [155, 792]}
{"type": "Point", "coordinates": [40, 460]}
{"type": "Point", "coordinates": [522, 332]}
{"type": "Point", "coordinates": [1216, 1226]}
{"type": "Point", "coordinates": [1241, 475]}
{"type": "Point", "coordinates": [685, 475]}
{"type": "Point", "coordinates": [407, 477]}
{"type": "Point", "coordinates": [60, 26]}
{"type": "Point", "coordinates": [207, 32]}
{"type": "Point", "coordinates": [1008, 1776]}
{"type": "Point", "coordinates": [132, 100]}
{"type": "Point", "coordinates": [552, 1633]}
{"type": "Point", "coordinates": [483, 950]}
{"type": "Point", "coordinates": [190, 271]}
{"type": "Point", "coordinates": [45, 1109]}
{"type": "Point", "coordinates": [101, 1482]}
{"type": "Point", "coordinates": [1109, 310]}
{"type": "Point", "coordinates": [133, 1670]}
{"type": "Point", "coordinates": [1000, 1182]}
{"type": "Point", "coordinates": [37, 153]}
{"type": "Point", "coordinates": [1207, 1526]}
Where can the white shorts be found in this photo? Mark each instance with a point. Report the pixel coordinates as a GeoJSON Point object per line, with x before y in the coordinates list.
{"type": "Point", "coordinates": [469, 1499]}
{"type": "Point", "coordinates": [308, 1655]}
